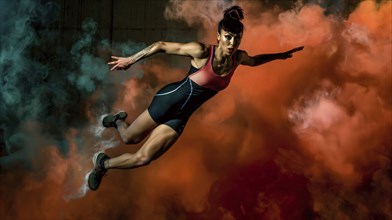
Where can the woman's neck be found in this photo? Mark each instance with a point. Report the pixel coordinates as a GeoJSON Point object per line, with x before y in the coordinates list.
{"type": "Point", "coordinates": [220, 56]}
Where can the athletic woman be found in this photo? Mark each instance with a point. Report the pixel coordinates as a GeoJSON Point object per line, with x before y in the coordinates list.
{"type": "Point", "coordinates": [212, 67]}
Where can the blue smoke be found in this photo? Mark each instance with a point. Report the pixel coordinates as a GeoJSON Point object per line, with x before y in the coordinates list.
{"type": "Point", "coordinates": [47, 88]}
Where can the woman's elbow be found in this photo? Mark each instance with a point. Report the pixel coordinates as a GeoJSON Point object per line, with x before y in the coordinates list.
{"type": "Point", "coordinates": [160, 46]}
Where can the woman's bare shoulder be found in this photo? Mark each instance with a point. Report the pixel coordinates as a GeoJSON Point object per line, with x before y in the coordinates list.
{"type": "Point", "coordinates": [199, 50]}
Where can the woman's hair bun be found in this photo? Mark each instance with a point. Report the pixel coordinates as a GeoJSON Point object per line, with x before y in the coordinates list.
{"type": "Point", "coordinates": [231, 21]}
{"type": "Point", "coordinates": [234, 12]}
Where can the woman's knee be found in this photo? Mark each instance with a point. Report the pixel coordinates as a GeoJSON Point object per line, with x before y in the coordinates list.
{"type": "Point", "coordinates": [142, 159]}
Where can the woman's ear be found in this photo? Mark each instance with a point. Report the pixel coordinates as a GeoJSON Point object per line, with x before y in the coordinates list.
{"type": "Point", "coordinates": [218, 36]}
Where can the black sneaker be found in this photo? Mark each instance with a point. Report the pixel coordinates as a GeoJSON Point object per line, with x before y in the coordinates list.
{"type": "Point", "coordinates": [110, 119]}
{"type": "Point", "coordinates": [95, 177]}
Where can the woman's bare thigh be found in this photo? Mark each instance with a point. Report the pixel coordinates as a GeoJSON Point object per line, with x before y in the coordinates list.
{"type": "Point", "coordinates": [140, 127]}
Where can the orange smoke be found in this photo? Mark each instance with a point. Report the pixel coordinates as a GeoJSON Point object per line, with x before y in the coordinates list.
{"type": "Point", "coordinates": [304, 138]}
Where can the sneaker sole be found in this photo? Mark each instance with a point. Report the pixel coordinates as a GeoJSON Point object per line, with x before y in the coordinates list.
{"type": "Point", "coordinates": [95, 158]}
{"type": "Point", "coordinates": [86, 180]}
{"type": "Point", "coordinates": [88, 174]}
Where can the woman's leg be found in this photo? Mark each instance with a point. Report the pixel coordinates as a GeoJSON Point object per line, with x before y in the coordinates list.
{"type": "Point", "coordinates": [161, 139]}
{"type": "Point", "coordinates": [138, 130]}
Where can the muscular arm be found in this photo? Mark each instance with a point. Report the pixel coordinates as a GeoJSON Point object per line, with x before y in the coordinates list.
{"type": "Point", "coordinates": [245, 59]}
{"type": "Point", "coordinates": [192, 49]}
{"type": "Point", "coordinates": [148, 51]}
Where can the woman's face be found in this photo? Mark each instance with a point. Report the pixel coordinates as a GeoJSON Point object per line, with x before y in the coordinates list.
{"type": "Point", "coordinates": [229, 42]}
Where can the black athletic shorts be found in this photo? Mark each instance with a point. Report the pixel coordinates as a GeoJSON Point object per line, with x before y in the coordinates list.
{"type": "Point", "coordinates": [175, 103]}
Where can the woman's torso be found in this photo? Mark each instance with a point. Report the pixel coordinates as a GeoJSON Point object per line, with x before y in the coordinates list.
{"type": "Point", "coordinates": [209, 75]}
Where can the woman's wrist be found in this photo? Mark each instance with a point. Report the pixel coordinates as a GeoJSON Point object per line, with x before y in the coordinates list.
{"type": "Point", "coordinates": [130, 60]}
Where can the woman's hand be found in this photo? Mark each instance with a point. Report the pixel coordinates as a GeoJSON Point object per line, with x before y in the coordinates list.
{"type": "Point", "coordinates": [121, 63]}
{"type": "Point", "coordinates": [289, 54]}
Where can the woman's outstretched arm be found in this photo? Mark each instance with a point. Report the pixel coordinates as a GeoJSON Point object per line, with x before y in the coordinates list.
{"type": "Point", "coordinates": [192, 49]}
{"type": "Point", "coordinates": [245, 59]}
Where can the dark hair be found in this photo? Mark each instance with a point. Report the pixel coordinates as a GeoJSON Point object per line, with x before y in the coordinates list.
{"type": "Point", "coordinates": [231, 21]}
